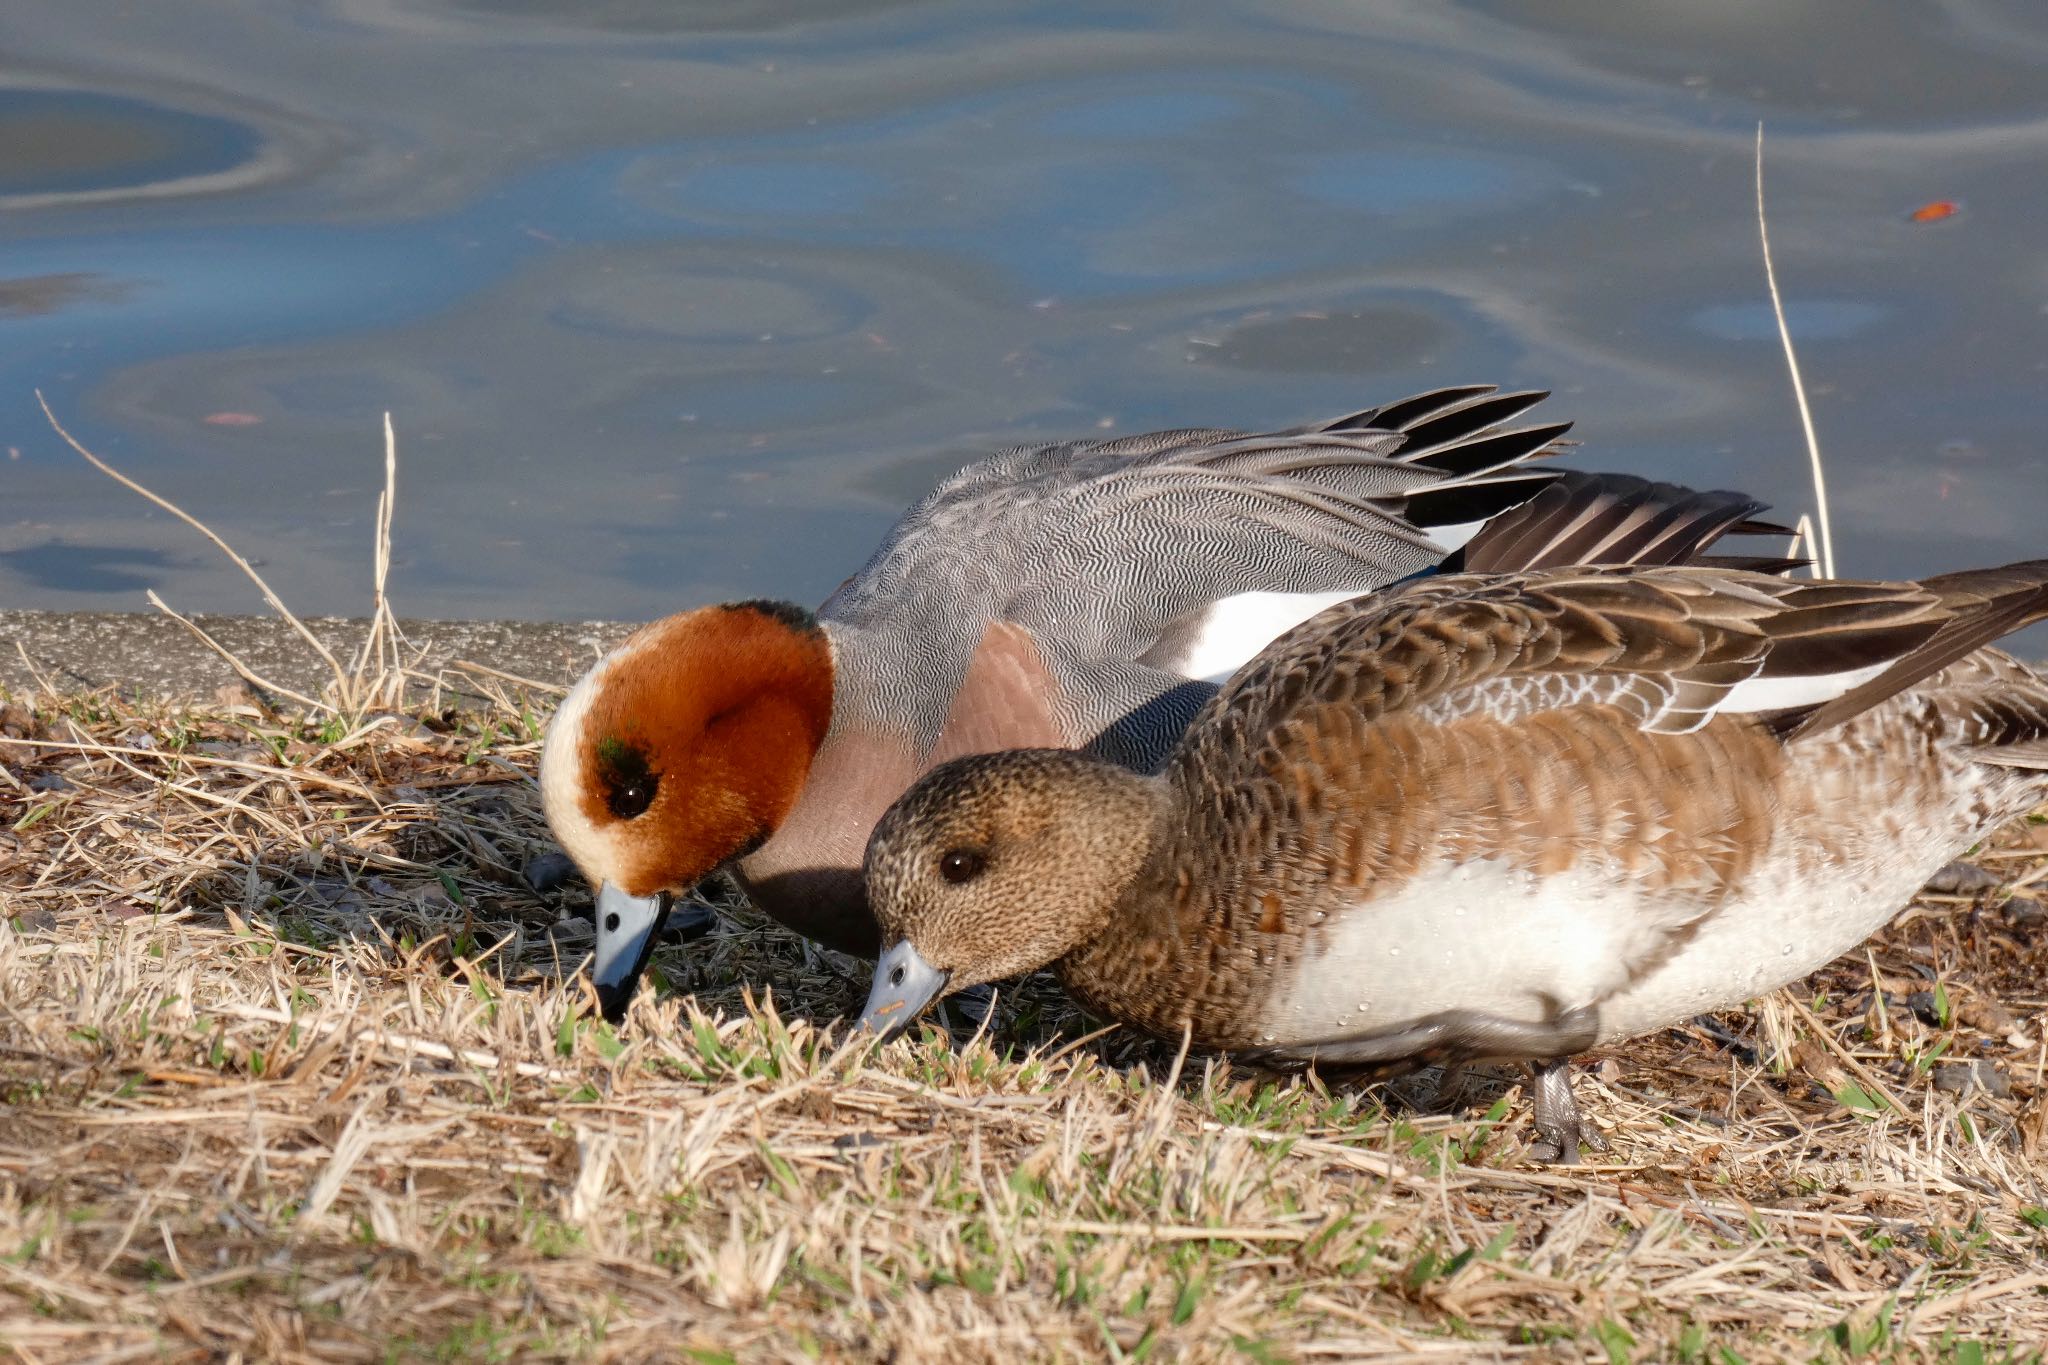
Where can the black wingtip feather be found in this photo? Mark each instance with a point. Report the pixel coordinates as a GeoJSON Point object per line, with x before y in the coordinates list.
{"type": "Point", "coordinates": [1403, 413]}
{"type": "Point", "coordinates": [1460, 504]}
{"type": "Point", "coordinates": [1461, 422]}
{"type": "Point", "coordinates": [1468, 456]}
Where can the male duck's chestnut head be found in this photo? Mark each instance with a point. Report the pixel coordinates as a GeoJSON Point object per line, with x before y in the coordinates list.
{"type": "Point", "coordinates": [683, 748]}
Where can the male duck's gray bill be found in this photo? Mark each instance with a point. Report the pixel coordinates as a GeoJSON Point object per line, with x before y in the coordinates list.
{"type": "Point", "coordinates": [904, 984]}
{"type": "Point", "coordinates": [627, 927]}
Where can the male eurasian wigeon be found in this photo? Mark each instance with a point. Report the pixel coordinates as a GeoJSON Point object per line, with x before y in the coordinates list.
{"type": "Point", "coordinates": [1490, 816]}
{"type": "Point", "coordinates": [1088, 594]}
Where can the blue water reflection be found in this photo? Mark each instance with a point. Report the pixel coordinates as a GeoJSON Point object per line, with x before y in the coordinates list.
{"type": "Point", "coordinates": [671, 304]}
{"type": "Point", "coordinates": [57, 143]}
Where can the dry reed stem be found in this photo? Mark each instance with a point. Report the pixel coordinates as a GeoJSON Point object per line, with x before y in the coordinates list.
{"type": "Point", "coordinates": [276, 604]}
{"type": "Point", "coordinates": [1824, 562]}
{"type": "Point", "coordinates": [379, 657]}
{"type": "Point", "coordinates": [295, 1067]}
{"type": "Point", "coordinates": [376, 677]}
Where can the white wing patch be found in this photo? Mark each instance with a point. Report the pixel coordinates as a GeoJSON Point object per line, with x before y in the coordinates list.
{"type": "Point", "coordinates": [1457, 536]}
{"type": "Point", "coordinates": [1237, 627]}
{"type": "Point", "coordinates": [1780, 694]}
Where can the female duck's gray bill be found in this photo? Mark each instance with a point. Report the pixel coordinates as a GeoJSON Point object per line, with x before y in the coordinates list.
{"type": "Point", "coordinates": [904, 984]}
{"type": "Point", "coordinates": [627, 927]}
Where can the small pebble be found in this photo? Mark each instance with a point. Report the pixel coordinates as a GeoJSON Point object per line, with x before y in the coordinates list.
{"type": "Point", "coordinates": [1962, 879]}
{"type": "Point", "coordinates": [570, 932]}
{"type": "Point", "coordinates": [234, 694]}
{"type": "Point", "coordinates": [1987, 1016]}
{"type": "Point", "coordinates": [18, 722]}
{"type": "Point", "coordinates": [549, 871]}
{"type": "Point", "coordinates": [396, 723]}
{"type": "Point", "coordinates": [233, 750]}
{"type": "Point", "coordinates": [858, 1142]}
{"type": "Point", "coordinates": [2025, 912]}
{"type": "Point", "coordinates": [688, 922]}
{"type": "Point", "coordinates": [35, 922]}
{"type": "Point", "coordinates": [1922, 1005]}
{"type": "Point", "coordinates": [1961, 1078]}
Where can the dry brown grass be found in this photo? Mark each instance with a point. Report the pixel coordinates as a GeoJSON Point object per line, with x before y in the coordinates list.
{"type": "Point", "coordinates": [294, 1065]}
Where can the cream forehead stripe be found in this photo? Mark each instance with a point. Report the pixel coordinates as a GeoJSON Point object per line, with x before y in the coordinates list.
{"type": "Point", "coordinates": [561, 774]}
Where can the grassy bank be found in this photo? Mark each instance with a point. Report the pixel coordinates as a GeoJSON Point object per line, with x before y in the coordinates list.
{"type": "Point", "coordinates": [294, 1065]}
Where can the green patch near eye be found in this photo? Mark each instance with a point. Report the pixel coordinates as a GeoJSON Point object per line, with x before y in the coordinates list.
{"type": "Point", "coordinates": [629, 781]}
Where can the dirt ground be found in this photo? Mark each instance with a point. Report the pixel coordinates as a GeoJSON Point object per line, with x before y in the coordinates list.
{"type": "Point", "coordinates": [295, 1064]}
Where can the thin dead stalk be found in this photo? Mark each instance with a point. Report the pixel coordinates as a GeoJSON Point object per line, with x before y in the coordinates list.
{"type": "Point", "coordinates": [1824, 562]}
{"type": "Point", "coordinates": [276, 603]}
{"type": "Point", "coordinates": [376, 675]}
{"type": "Point", "coordinates": [379, 656]}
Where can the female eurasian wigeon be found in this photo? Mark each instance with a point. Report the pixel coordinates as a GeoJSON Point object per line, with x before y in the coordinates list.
{"type": "Point", "coordinates": [1490, 816]}
{"type": "Point", "coordinates": [1088, 594]}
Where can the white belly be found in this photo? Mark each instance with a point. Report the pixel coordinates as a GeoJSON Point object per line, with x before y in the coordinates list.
{"type": "Point", "coordinates": [1783, 930]}
{"type": "Point", "coordinates": [1491, 938]}
{"type": "Point", "coordinates": [1479, 936]}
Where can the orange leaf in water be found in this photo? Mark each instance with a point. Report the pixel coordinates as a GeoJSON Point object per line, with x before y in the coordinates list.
{"type": "Point", "coordinates": [1935, 210]}
{"type": "Point", "coordinates": [231, 419]}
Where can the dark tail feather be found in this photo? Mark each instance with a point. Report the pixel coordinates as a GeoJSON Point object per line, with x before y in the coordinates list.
{"type": "Point", "coordinates": [1490, 450]}
{"type": "Point", "coordinates": [1987, 605]}
{"type": "Point", "coordinates": [1459, 504]}
{"type": "Point", "coordinates": [1442, 416]}
{"type": "Point", "coordinates": [1613, 519]}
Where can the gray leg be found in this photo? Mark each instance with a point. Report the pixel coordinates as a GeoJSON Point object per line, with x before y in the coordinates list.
{"type": "Point", "coordinates": [1452, 1037]}
{"type": "Point", "coordinates": [1560, 1129]}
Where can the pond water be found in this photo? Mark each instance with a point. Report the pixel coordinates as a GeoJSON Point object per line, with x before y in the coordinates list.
{"type": "Point", "coordinates": [673, 302]}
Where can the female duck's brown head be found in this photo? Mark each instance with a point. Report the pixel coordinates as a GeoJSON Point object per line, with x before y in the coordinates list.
{"type": "Point", "coordinates": [683, 748]}
{"type": "Point", "coordinates": [997, 865]}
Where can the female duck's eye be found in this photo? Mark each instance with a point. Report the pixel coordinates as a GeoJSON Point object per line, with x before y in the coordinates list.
{"type": "Point", "coordinates": [960, 865]}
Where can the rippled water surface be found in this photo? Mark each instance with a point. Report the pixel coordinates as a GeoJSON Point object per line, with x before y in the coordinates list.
{"type": "Point", "coordinates": [676, 301]}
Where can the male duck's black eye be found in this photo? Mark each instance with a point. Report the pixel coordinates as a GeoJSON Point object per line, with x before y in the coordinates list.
{"type": "Point", "coordinates": [632, 797]}
{"type": "Point", "coordinates": [629, 783]}
{"type": "Point", "coordinates": [958, 865]}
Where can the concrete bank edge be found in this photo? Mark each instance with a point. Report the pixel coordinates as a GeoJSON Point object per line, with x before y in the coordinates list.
{"type": "Point", "coordinates": [149, 654]}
